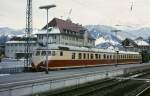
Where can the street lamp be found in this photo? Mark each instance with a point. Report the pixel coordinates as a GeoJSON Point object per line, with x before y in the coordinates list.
{"type": "Point", "coordinates": [47, 7]}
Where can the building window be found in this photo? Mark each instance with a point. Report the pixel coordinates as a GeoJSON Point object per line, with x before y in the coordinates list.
{"type": "Point", "coordinates": [61, 53]}
{"type": "Point", "coordinates": [49, 53]}
{"type": "Point", "coordinates": [53, 53]}
{"type": "Point", "coordinates": [54, 37]}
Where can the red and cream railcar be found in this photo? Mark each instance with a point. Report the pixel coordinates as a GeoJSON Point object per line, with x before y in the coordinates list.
{"type": "Point", "coordinates": [60, 56]}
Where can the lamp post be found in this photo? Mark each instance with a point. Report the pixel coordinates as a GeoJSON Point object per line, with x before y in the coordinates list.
{"type": "Point", "coordinates": [47, 7]}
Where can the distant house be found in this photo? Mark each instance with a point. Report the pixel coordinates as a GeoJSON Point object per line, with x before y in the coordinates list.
{"type": "Point", "coordinates": [67, 33]}
{"type": "Point", "coordinates": [138, 44]}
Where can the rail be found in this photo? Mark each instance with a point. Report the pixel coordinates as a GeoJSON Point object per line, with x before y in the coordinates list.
{"type": "Point", "coordinates": [139, 94]}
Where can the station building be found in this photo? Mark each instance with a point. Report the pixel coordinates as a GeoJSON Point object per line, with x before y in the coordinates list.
{"type": "Point", "coordinates": [63, 32]}
{"type": "Point", "coordinates": [67, 33]}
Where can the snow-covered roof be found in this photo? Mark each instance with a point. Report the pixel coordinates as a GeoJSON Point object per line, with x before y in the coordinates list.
{"type": "Point", "coordinates": [57, 46]}
{"type": "Point", "coordinates": [20, 42]}
{"type": "Point", "coordinates": [54, 30]}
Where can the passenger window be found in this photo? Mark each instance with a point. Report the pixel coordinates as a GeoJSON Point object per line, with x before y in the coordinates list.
{"type": "Point", "coordinates": [88, 56]}
{"type": "Point", "coordinates": [104, 56]}
{"type": "Point", "coordinates": [107, 56]}
{"type": "Point", "coordinates": [110, 57]}
{"type": "Point", "coordinates": [99, 56]}
{"type": "Point", "coordinates": [80, 56]}
{"type": "Point", "coordinates": [73, 55]}
{"type": "Point", "coordinates": [84, 56]}
{"type": "Point", "coordinates": [91, 56]}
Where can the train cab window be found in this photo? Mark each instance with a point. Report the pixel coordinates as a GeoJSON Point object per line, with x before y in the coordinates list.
{"type": "Point", "coordinates": [43, 53]}
{"type": "Point", "coordinates": [73, 55]}
{"type": "Point", "coordinates": [53, 53]}
{"type": "Point", "coordinates": [80, 56]}
{"type": "Point", "coordinates": [61, 53]}
{"type": "Point", "coordinates": [37, 53]}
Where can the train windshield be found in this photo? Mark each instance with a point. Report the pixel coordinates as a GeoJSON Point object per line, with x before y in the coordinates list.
{"type": "Point", "coordinates": [37, 53]}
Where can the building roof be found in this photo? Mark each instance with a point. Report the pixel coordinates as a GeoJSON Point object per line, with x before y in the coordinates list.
{"type": "Point", "coordinates": [64, 25]}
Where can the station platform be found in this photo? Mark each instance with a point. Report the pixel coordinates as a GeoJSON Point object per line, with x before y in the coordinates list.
{"type": "Point", "coordinates": [62, 73]}
{"type": "Point", "coordinates": [35, 82]}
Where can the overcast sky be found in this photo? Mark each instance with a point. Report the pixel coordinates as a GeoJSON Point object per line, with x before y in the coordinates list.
{"type": "Point", "coordinates": [105, 12]}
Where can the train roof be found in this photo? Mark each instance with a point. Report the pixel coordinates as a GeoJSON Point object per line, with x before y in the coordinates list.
{"type": "Point", "coordinates": [76, 48]}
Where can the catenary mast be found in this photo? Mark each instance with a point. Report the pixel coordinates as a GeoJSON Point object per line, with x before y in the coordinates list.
{"type": "Point", "coordinates": [28, 31]}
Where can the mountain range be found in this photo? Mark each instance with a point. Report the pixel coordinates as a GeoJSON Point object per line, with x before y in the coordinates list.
{"type": "Point", "coordinates": [110, 37]}
{"type": "Point", "coordinates": [106, 36]}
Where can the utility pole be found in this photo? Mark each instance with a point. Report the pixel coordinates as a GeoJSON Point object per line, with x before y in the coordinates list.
{"type": "Point", "coordinates": [28, 31]}
{"type": "Point", "coordinates": [47, 7]}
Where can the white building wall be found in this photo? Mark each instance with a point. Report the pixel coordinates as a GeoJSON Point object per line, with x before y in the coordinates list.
{"type": "Point", "coordinates": [13, 47]}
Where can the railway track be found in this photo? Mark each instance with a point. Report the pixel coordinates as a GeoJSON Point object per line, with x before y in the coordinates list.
{"type": "Point", "coordinates": [107, 87]}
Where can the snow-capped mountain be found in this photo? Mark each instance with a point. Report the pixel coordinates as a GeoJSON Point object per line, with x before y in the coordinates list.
{"type": "Point", "coordinates": [105, 35]}
{"type": "Point", "coordinates": [133, 32]}
{"type": "Point", "coordinates": [141, 41]}
{"type": "Point", "coordinates": [107, 38]}
{"type": "Point", "coordinates": [5, 31]}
